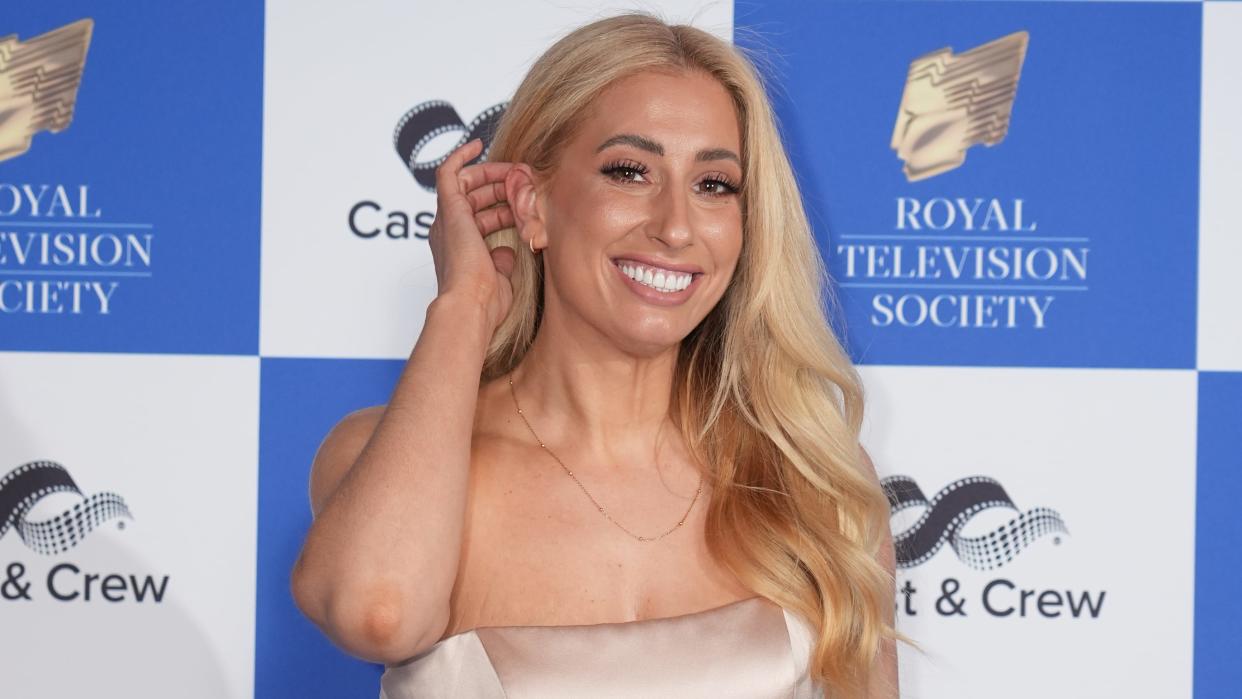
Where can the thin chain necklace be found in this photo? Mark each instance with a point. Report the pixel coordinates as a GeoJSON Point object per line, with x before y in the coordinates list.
{"type": "Point", "coordinates": [600, 507]}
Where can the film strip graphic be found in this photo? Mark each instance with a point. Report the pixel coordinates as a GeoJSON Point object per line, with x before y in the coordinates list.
{"type": "Point", "coordinates": [422, 124]}
{"type": "Point", "coordinates": [949, 511]}
{"type": "Point", "coordinates": [26, 485]}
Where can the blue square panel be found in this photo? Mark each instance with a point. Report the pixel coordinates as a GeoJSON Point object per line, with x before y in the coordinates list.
{"type": "Point", "coordinates": [129, 176]}
{"type": "Point", "coordinates": [996, 183]}
{"type": "Point", "coordinates": [1218, 609]}
{"type": "Point", "coordinates": [300, 401]}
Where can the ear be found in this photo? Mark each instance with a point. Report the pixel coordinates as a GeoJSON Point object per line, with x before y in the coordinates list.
{"type": "Point", "coordinates": [526, 202]}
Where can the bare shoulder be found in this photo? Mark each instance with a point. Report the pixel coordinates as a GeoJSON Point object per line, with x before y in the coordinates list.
{"type": "Point", "coordinates": [339, 450]}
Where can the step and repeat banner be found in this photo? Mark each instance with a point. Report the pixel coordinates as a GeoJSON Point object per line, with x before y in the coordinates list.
{"type": "Point", "coordinates": [213, 226]}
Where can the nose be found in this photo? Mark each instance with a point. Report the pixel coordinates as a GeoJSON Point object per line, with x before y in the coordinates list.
{"type": "Point", "coordinates": [672, 219]}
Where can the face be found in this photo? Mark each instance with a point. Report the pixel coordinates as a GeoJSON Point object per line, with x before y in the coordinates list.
{"type": "Point", "coordinates": [647, 188]}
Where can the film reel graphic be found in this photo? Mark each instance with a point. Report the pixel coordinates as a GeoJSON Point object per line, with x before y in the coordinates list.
{"type": "Point", "coordinates": [26, 485]}
{"type": "Point", "coordinates": [422, 124]}
{"type": "Point", "coordinates": [949, 511]}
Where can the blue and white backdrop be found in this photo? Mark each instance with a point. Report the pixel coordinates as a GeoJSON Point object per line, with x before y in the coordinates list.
{"type": "Point", "coordinates": [213, 226]}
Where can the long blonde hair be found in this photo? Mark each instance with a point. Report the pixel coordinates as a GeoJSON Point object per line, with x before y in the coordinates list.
{"type": "Point", "coordinates": [763, 391]}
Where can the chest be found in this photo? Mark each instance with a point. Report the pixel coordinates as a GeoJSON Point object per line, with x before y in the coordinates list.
{"type": "Point", "coordinates": [538, 551]}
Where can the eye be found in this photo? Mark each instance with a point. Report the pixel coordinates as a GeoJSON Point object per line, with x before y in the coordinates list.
{"type": "Point", "coordinates": [719, 186]}
{"type": "Point", "coordinates": [624, 170]}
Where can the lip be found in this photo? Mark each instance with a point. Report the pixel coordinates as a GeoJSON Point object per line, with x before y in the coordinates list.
{"type": "Point", "coordinates": [657, 262]}
{"type": "Point", "coordinates": [658, 298]}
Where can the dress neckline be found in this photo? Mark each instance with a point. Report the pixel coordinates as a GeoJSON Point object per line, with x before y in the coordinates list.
{"type": "Point", "coordinates": [634, 622]}
{"type": "Point", "coordinates": [750, 647]}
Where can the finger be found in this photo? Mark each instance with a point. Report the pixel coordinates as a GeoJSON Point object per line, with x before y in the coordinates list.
{"type": "Point", "coordinates": [446, 175]}
{"type": "Point", "coordinates": [494, 219]}
{"type": "Point", "coordinates": [487, 195]}
{"type": "Point", "coordinates": [480, 174]}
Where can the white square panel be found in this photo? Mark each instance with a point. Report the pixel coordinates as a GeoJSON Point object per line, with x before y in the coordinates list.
{"type": "Point", "coordinates": [337, 79]}
{"type": "Point", "coordinates": [1110, 454]}
{"type": "Point", "coordinates": [160, 603]}
{"type": "Point", "coordinates": [1220, 184]}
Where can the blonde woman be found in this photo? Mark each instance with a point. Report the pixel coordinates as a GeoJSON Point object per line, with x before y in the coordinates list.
{"type": "Point", "coordinates": [623, 457]}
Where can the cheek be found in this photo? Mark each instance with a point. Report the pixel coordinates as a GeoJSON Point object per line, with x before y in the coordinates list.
{"type": "Point", "coordinates": [618, 214]}
{"type": "Point", "coordinates": [725, 232]}
{"type": "Point", "coordinates": [590, 212]}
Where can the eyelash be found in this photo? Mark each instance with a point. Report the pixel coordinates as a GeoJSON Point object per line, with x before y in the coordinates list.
{"type": "Point", "coordinates": [612, 169]}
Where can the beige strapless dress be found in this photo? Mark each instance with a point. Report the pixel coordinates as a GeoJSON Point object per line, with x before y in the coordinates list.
{"type": "Point", "coordinates": [751, 648]}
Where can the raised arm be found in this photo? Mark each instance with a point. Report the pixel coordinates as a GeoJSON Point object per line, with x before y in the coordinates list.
{"type": "Point", "coordinates": [389, 485]}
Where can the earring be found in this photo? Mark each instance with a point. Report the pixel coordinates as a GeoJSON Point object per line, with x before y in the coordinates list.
{"type": "Point", "coordinates": [532, 245]}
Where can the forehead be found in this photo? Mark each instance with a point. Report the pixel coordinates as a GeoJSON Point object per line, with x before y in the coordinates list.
{"type": "Point", "coordinates": [690, 108]}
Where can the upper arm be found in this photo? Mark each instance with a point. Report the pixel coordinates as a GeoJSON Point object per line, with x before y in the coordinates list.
{"type": "Point", "coordinates": [338, 452]}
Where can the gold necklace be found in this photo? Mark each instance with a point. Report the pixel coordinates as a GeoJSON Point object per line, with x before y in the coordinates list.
{"type": "Point", "coordinates": [600, 507]}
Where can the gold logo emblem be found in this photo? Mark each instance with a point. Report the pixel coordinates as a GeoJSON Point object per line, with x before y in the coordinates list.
{"type": "Point", "coordinates": [39, 81]}
{"type": "Point", "coordinates": [954, 102]}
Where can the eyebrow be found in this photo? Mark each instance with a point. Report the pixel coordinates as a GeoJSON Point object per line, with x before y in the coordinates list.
{"type": "Point", "coordinates": [647, 144]}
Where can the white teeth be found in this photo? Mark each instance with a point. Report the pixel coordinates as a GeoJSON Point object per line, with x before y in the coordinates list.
{"type": "Point", "coordinates": [658, 279]}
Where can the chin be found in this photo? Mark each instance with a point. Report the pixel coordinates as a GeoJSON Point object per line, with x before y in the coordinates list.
{"type": "Point", "coordinates": [651, 343]}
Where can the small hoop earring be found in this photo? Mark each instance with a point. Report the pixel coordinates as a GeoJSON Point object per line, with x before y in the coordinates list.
{"type": "Point", "coordinates": [532, 245]}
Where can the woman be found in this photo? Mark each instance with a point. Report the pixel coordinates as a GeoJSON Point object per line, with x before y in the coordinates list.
{"type": "Point", "coordinates": [623, 457]}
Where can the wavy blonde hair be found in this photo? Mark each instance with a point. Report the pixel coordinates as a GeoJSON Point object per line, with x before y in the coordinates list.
{"type": "Point", "coordinates": [763, 391]}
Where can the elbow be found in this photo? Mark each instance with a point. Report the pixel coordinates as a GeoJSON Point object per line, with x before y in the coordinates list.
{"type": "Point", "coordinates": [384, 630]}
{"type": "Point", "coordinates": [378, 627]}
{"type": "Point", "coordinates": [386, 633]}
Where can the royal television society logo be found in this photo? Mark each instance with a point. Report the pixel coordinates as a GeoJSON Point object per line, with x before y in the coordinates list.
{"type": "Point", "coordinates": [39, 81]}
{"type": "Point", "coordinates": [23, 487]}
{"type": "Point", "coordinates": [415, 131]}
{"type": "Point", "coordinates": [948, 512]}
{"type": "Point", "coordinates": [951, 103]}
{"type": "Point", "coordinates": [959, 262]}
{"type": "Point", "coordinates": [58, 253]}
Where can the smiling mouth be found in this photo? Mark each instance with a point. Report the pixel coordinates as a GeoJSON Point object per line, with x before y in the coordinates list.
{"type": "Point", "coordinates": [656, 278]}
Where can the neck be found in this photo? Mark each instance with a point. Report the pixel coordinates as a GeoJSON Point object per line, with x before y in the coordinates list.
{"type": "Point", "coordinates": [580, 388]}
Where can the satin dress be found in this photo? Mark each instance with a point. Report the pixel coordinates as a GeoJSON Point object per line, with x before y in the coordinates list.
{"type": "Point", "coordinates": [752, 648]}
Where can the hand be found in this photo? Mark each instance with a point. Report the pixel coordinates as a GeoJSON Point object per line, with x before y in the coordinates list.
{"type": "Point", "coordinates": [470, 205]}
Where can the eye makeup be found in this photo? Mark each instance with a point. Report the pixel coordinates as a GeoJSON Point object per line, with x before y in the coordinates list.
{"type": "Point", "coordinates": [624, 171]}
